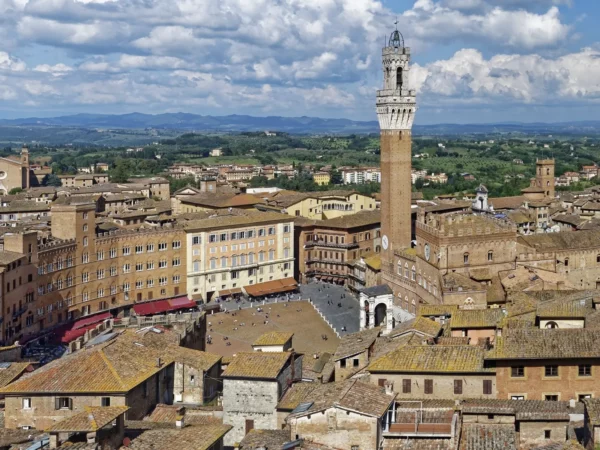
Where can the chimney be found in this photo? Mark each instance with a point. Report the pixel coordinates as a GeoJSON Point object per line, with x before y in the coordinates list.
{"type": "Point", "coordinates": [389, 388]}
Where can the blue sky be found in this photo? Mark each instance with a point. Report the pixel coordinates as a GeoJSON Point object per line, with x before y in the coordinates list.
{"type": "Point", "coordinates": [473, 60]}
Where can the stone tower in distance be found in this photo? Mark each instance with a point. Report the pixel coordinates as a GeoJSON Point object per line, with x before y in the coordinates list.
{"type": "Point", "coordinates": [396, 107]}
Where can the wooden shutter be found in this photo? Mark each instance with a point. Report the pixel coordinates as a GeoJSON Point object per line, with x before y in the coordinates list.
{"type": "Point", "coordinates": [249, 425]}
{"type": "Point", "coordinates": [487, 387]}
{"type": "Point", "coordinates": [406, 385]}
{"type": "Point", "coordinates": [458, 387]}
{"type": "Point", "coordinates": [70, 403]}
{"type": "Point", "coordinates": [429, 386]}
{"type": "Point", "coordinates": [381, 382]}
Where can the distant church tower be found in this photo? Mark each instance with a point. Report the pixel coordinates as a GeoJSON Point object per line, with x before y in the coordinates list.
{"type": "Point", "coordinates": [396, 107]}
{"type": "Point", "coordinates": [544, 175]}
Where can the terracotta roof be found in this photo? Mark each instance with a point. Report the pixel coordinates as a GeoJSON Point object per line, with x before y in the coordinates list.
{"type": "Point", "coordinates": [432, 359]}
{"type": "Point", "coordinates": [7, 257]}
{"type": "Point", "coordinates": [507, 202]}
{"type": "Point", "coordinates": [563, 310]}
{"type": "Point", "coordinates": [92, 418]}
{"type": "Point", "coordinates": [13, 371]}
{"type": "Point", "coordinates": [456, 282]}
{"type": "Point", "coordinates": [525, 410]}
{"type": "Point", "coordinates": [257, 365]}
{"type": "Point", "coordinates": [453, 340]}
{"type": "Point", "coordinates": [546, 344]}
{"type": "Point", "coordinates": [188, 438]}
{"type": "Point", "coordinates": [359, 219]}
{"type": "Point", "coordinates": [273, 338]}
{"type": "Point", "coordinates": [354, 343]}
{"type": "Point", "coordinates": [166, 413]}
{"type": "Point", "coordinates": [592, 406]}
{"type": "Point", "coordinates": [420, 325]}
{"type": "Point", "coordinates": [117, 366]}
{"type": "Point", "coordinates": [562, 241]}
{"type": "Point", "coordinates": [10, 436]}
{"type": "Point", "coordinates": [265, 439]}
{"type": "Point", "coordinates": [353, 395]}
{"type": "Point", "coordinates": [296, 394]}
{"type": "Point", "coordinates": [230, 220]}
{"type": "Point", "coordinates": [476, 318]}
{"type": "Point", "coordinates": [476, 436]}
{"type": "Point", "coordinates": [437, 310]}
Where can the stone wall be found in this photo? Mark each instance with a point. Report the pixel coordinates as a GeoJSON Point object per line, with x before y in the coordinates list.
{"type": "Point", "coordinates": [338, 429]}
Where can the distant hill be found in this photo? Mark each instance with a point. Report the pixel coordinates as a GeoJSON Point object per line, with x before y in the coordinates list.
{"type": "Point", "coordinates": [237, 123]}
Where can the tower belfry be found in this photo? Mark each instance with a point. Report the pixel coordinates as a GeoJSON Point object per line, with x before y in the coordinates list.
{"type": "Point", "coordinates": [396, 107]}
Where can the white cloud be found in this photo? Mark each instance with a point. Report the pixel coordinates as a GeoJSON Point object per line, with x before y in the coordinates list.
{"type": "Point", "coordinates": [469, 77]}
{"type": "Point", "coordinates": [57, 70]}
{"type": "Point", "coordinates": [8, 62]}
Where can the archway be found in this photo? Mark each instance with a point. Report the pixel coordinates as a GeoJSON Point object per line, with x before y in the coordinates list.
{"type": "Point", "coordinates": [380, 314]}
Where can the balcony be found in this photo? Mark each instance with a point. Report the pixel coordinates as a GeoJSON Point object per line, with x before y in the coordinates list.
{"type": "Point", "coordinates": [401, 421]}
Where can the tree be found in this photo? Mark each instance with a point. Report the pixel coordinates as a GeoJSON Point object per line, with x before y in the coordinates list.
{"type": "Point", "coordinates": [52, 180]}
{"type": "Point", "coordinates": [336, 176]}
{"type": "Point", "coordinates": [14, 191]}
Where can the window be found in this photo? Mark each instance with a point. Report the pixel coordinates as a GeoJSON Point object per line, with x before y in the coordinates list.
{"type": "Point", "coordinates": [342, 363]}
{"type": "Point", "coordinates": [271, 231]}
{"type": "Point", "coordinates": [176, 262]}
{"type": "Point", "coordinates": [27, 403]}
{"type": "Point", "coordinates": [150, 283]}
{"type": "Point", "coordinates": [355, 362]}
{"type": "Point", "coordinates": [490, 255]}
{"type": "Point", "coordinates": [99, 256]}
{"type": "Point", "coordinates": [63, 403]}
{"type": "Point", "coordinates": [126, 287]}
{"type": "Point", "coordinates": [113, 271]}
{"type": "Point", "coordinates": [113, 253]}
{"type": "Point", "coordinates": [176, 244]}
{"type": "Point", "coordinates": [85, 277]}
{"type": "Point", "coordinates": [406, 386]}
{"type": "Point", "coordinates": [517, 371]}
{"type": "Point", "coordinates": [487, 387]}
{"type": "Point", "coordinates": [105, 401]}
{"type": "Point", "coordinates": [584, 396]}
{"type": "Point", "coordinates": [286, 228]}
{"type": "Point", "coordinates": [466, 258]}
{"type": "Point", "coordinates": [551, 398]}
{"type": "Point", "coordinates": [176, 279]}
{"type": "Point", "coordinates": [150, 248]}
{"type": "Point", "coordinates": [585, 370]}
{"type": "Point", "coordinates": [566, 262]}
{"type": "Point", "coordinates": [458, 387]}
{"type": "Point", "coordinates": [162, 281]}
{"type": "Point", "coordinates": [551, 371]}
{"type": "Point", "coordinates": [126, 268]}
{"type": "Point", "coordinates": [547, 434]}
{"type": "Point", "coordinates": [150, 265]}
{"type": "Point", "coordinates": [85, 258]}
{"type": "Point", "coordinates": [235, 274]}
{"type": "Point", "coordinates": [126, 251]}
{"type": "Point", "coordinates": [85, 215]}
{"type": "Point", "coordinates": [212, 238]}
{"type": "Point", "coordinates": [139, 249]}
{"type": "Point", "coordinates": [139, 267]}
{"type": "Point", "coordinates": [196, 240]}
{"type": "Point", "coordinates": [428, 386]}
{"type": "Point", "coordinates": [162, 264]}
{"type": "Point", "coordinates": [517, 397]}
{"type": "Point", "coordinates": [162, 246]}
{"type": "Point", "coordinates": [100, 274]}
{"type": "Point", "coordinates": [85, 241]}
{"type": "Point", "coordinates": [213, 263]}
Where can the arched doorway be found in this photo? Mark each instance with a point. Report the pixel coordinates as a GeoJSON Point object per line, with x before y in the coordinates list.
{"type": "Point", "coordinates": [380, 314]}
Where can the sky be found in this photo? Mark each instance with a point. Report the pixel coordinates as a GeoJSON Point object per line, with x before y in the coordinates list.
{"type": "Point", "coordinates": [473, 61]}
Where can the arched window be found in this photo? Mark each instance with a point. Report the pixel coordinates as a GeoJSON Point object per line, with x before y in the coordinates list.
{"type": "Point", "coordinates": [413, 275]}
{"type": "Point", "coordinates": [490, 255]}
{"type": "Point", "coordinates": [368, 236]}
{"type": "Point", "coordinates": [551, 325]}
{"type": "Point", "coordinates": [399, 267]}
{"type": "Point", "coordinates": [405, 270]}
{"type": "Point", "coordinates": [466, 258]}
{"type": "Point", "coordinates": [399, 78]}
{"type": "Point", "coordinates": [548, 171]}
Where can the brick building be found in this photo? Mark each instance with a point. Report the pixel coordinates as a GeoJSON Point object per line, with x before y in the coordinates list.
{"type": "Point", "coordinates": [326, 249]}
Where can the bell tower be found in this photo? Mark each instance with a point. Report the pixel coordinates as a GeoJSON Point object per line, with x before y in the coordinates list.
{"type": "Point", "coordinates": [396, 107]}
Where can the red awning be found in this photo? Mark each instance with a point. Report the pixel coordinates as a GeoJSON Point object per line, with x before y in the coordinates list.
{"type": "Point", "coordinates": [161, 306]}
{"type": "Point", "coordinates": [73, 334]}
{"type": "Point", "coordinates": [91, 320]}
{"type": "Point", "coordinates": [182, 302]}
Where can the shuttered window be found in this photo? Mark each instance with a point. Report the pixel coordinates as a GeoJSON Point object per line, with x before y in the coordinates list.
{"type": "Point", "coordinates": [429, 386]}
{"type": "Point", "coordinates": [487, 387]}
{"type": "Point", "coordinates": [381, 382]}
{"type": "Point", "coordinates": [458, 387]}
{"type": "Point", "coordinates": [406, 384]}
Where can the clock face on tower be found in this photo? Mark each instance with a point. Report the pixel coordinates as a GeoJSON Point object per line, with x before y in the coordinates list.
{"type": "Point", "coordinates": [427, 252]}
{"type": "Point", "coordinates": [384, 242]}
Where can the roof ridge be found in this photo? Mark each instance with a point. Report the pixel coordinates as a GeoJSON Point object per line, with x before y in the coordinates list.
{"type": "Point", "coordinates": [110, 366]}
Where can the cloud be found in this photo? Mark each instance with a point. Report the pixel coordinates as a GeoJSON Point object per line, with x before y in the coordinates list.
{"type": "Point", "coordinates": [57, 70]}
{"type": "Point", "coordinates": [8, 62]}
{"type": "Point", "coordinates": [468, 77]}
